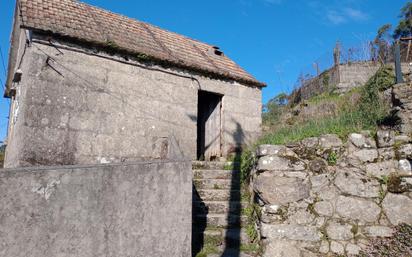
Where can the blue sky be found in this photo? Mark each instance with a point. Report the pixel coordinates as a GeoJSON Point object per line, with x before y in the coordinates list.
{"type": "Point", "coordinates": [272, 39]}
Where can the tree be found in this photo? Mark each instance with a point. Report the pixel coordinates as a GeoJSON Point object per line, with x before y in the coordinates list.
{"type": "Point", "coordinates": [382, 43]}
{"type": "Point", "coordinates": [274, 108]}
{"type": "Point", "coordinates": [404, 28]}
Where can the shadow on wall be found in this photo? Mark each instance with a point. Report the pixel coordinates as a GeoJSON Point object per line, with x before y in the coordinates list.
{"type": "Point", "coordinates": [199, 224]}
{"type": "Point", "coordinates": [233, 233]}
{"type": "Point", "coordinates": [231, 243]}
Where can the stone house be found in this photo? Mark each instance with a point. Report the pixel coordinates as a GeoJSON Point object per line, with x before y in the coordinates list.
{"type": "Point", "coordinates": [91, 86]}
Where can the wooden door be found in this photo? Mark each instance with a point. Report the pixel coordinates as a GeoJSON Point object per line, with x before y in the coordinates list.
{"type": "Point", "coordinates": [209, 125]}
{"type": "Point", "coordinates": [213, 132]}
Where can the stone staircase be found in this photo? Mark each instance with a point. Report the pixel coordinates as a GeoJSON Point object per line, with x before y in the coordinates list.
{"type": "Point", "coordinates": [217, 210]}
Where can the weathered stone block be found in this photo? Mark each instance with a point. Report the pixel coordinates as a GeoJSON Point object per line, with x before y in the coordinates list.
{"type": "Point", "coordinates": [310, 142]}
{"type": "Point", "coordinates": [398, 208]}
{"type": "Point", "coordinates": [352, 249]}
{"type": "Point", "coordinates": [350, 181]}
{"type": "Point", "coordinates": [405, 151]}
{"type": "Point", "coordinates": [405, 166]}
{"type": "Point", "coordinates": [263, 150]}
{"type": "Point", "coordinates": [386, 154]}
{"type": "Point", "coordinates": [339, 232]}
{"type": "Point", "coordinates": [364, 155]}
{"type": "Point", "coordinates": [378, 231]}
{"type": "Point", "coordinates": [361, 141]}
{"type": "Point", "coordinates": [337, 247]}
{"type": "Point", "coordinates": [324, 208]}
{"type": "Point", "coordinates": [402, 139]}
{"type": "Point", "coordinates": [291, 232]}
{"type": "Point", "coordinates": [380, 169]}
{"type": "Point", "coordinates": [301, 217]}
{"type": "Point", "coordinates": [273, 162]}
{"type": "Point", "coordinates": [324, 247]}
{"type": "Point", "coordinates": [329, 141]}
{"type": "Point", "coordinates": [320, 181]}
{"type": "Point", "coordinates": [385, 138]}
{"type": "Point", "coordinates": [281, 248]}
{"type": "Point", "coordinates": [280, 190]}
{"type": "Point", "coordinates": [357, 209]}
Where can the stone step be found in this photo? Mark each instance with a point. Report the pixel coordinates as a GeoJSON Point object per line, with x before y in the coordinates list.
{"type": "Point", "coordinates": [216, 184]}
{"type": "Point", "coordinates": [222, 220]}
{"type": "Point", "coordinates": [218, 195]}
{"type": "Point", "coordinates": [219, 207]}
{"type": "Point", "coordinates": [216, 174]}
{"type": "Point", "coordinates": [230, 253]}
{"type": "Point", "coordinates": [205, 165]}
{"type": "Point", "coordinates": [230, 234]}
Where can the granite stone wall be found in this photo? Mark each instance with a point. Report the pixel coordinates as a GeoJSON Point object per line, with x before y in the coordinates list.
{"type": "Point", "coordinates": [321, 196]}
{"type": "Point", "coordinates": [130, 209]}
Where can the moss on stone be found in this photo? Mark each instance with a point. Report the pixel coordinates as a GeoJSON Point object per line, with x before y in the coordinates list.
{"type": "Point", "coordinates": [396, 185]}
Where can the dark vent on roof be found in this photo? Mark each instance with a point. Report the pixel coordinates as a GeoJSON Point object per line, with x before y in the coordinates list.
{"type": "Point", "coordinates": [217, 51]}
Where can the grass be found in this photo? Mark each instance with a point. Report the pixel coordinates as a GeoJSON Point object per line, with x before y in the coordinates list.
{"type": "Point", "coordinates": [341, 125]}
{"type": "Point", "coordinates": [329, 96]}
{"type": "Point", "coordinates": [250, 248]}
{"type": "Point", "coordinates": [360, 109]}
{"type": "Point", "coordinates": [251, 212]}
{"type": "Point", "coordinates": [332, 159]}
{"type": "Point", "coordinates": [210, 246]}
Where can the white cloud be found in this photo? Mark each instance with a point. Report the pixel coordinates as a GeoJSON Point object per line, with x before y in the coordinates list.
{"type": "Point", "coordinates": [356, 15]}
{"type": "Point", "coordinates": [338, 12]}
{"type": "Point", "coordinates": [335, 18]}
{"type": "Point", "coordinates": [273, 1]}
{"type": "Point", "coordinates": [346, 15]}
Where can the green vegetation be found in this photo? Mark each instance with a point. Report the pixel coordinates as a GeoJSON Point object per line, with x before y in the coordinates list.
{"type": "Point", "coordinates": [211, 245]}
{"type": "Point", "coordinates": [247, 160]}
{"type": "Point", "coordinates": [251, 248]}
{"type": "Point", "coordinates": [404, 28]}
{"type": "Point", "coordinates": [360, 109]}
{"type": "Point", "coordinates": [332, 158]}
{"type": "Point", "coordinates": [274, 108]}
{"type": "Point", "coordinates": [251, 212]}
{"type": "Point", "coordinates": [2, 153]}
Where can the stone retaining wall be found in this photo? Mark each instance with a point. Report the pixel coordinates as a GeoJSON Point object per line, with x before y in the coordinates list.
{"type": "Point", "coordinates": [342, 78]}
{"type": "Point", "coordinates": [321, 196]}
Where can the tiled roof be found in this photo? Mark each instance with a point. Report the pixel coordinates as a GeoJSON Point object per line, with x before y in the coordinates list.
{"type": "Point", "coordinates": [80, 21]}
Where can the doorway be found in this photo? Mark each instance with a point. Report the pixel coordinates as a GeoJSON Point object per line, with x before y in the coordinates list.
{"type": "Point", "coordinates": [209, 126]}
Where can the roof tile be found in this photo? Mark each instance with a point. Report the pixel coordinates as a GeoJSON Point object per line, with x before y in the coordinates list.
{"type": "Point", "coordinates": [91, 24]}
